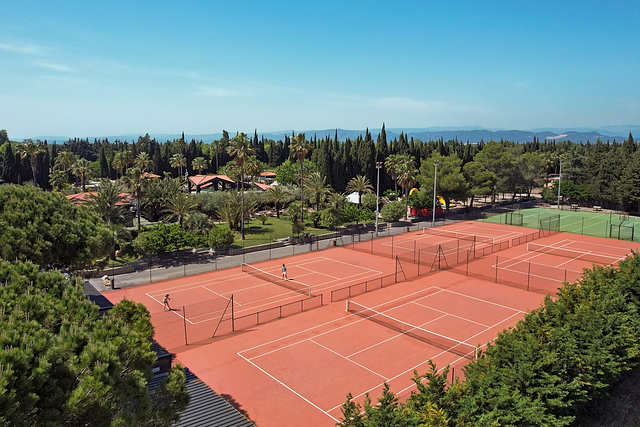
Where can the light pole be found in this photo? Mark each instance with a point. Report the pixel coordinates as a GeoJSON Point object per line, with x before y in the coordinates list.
{"type": "Point", "coordinates": [378, 167]}
{"type": "Point", "coordinates": [559, 179]}
{"type": "Point", "coordinates": [435, 177]}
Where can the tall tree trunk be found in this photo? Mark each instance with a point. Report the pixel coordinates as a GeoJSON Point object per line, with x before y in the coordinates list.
{"type": "Point", "coordinates": [34, 167]}
{"type": "Point", "coordinates": [242, 203]}
{"type": "Point", "coordinates": [301, 192]}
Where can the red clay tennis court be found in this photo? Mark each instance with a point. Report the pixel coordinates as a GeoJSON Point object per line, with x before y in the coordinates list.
{"type": "Point", "coordinates": [298, 368]}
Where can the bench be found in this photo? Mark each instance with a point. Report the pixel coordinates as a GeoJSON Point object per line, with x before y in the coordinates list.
{"type": "Point", "coordinates": [575, 207]}
{"type": "Point", "coordinates": [597, 208]}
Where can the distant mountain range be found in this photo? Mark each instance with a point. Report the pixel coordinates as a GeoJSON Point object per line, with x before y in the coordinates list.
{"type": "Point", "coordinates": [471, 134]}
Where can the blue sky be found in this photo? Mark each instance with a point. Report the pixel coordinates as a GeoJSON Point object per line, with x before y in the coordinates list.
{"type": "Point", "coordinates": [84, 68]}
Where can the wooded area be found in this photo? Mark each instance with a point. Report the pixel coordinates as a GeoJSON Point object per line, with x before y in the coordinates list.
{"type": "Point", "coordinates": [602, 173]}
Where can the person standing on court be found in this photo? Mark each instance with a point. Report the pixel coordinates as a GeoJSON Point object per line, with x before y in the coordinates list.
{"type": "Point", "coordinates": [284, 272]}
{"type": "Point", "coordinates": [165, 301]}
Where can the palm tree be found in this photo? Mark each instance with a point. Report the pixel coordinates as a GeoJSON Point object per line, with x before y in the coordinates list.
{"type": "Point", "coordinates": [299, 148]}
{"type": "Point", "coordinates": [180, 205]}
{"type": "Point", "coordinates": [58, 179]}
{"type": "Point", "coordinates": [217, 148]}
{"type": "Point", "coordinates": [108, 200]}
{"type": "Point", "coordinates": [407, 174]}
{"type": "Point", "coordinates": [64, 160]}
{"type": "Point", "coordinates": [82, 169]}
{"type": "Point", "coordinates": [143, 162]}
{"type": "Point", "coordinates": [318, 186]}
{"type": "Point", "coordinates": [253, 166]}
{"type": "Point", "coordinates": [239, 148]}
{"type": "Point", "coordinates": [360, 184]}
{"type": "Point", "coordinates": [199, 164]}
{"type": "Point", "coordinates": [392, 164]}
{"type": "Point", "coordinates": [277, 194]}
{"type": "Point", "coordinates": [136, 183]}
{"type": "Point", "coordinates": [178, 161]}
{"type": "Point", "coordinates": [31, 149]}
{"type": "Point", "coordinates": [119, 162]}
{"type": "Point", "coordinates": [336, 200]}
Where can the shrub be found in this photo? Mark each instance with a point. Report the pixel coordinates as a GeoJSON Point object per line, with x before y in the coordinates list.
{"type": "Point", "coordinates": [331, 218]}
{"type": "Point", "coordinates": [392, 211]}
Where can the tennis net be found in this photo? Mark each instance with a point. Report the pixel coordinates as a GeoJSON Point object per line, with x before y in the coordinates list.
{"type": "Point", "coordinates": [454, 346]}
{"type": "Point", "coordinates": [457, 235]}
{"type": "Point", "coordinates": [572, 253]}
{"type": "Point", "coordinates": [285, 283]}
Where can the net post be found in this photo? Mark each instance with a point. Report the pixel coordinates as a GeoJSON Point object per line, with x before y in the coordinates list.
{"type": "Point", "coordinates": [184, 320]}
{"type": "Point", "coordinates": [458, 250]}
{"type": "Point", "coordinates": [233, 316]}
{"type": "Point", "coordinates": [347, 307]}
{"type": "Point", "coordinates": [392, 247]}
{"type": "Point", "coordinates": [529, 276]}
{"type": "Point", "coordinates": [496, 268]}
{"type": "Point", "coordinates": [468, 255]}
{"type": "Point", "coordinates": [395, 280]}
{"type": "Point", "coordinates": [414, 251]}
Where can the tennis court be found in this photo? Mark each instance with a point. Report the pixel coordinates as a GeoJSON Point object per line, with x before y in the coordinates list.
{"type": "Point", "coordinates": [584, 221]}
{"type": "Point", "coordinates": [224, 301]}
{"type": "Point", "coordinates": [288, 368]}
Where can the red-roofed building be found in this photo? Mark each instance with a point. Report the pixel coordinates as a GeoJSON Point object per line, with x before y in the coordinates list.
{"type": "Point", "coordinates": [221, 182]}
{"type": "Point", "coordinates": [149, 175]}
{"type": "Point", "coordinates": [80, 198]}
{"type": "Point", "coordinates": [263, 187]}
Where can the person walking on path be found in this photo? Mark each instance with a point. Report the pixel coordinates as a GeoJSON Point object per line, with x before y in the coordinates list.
{"type": "Point", "coordinates": [165, 301]}
{"type": "Point", "coordinates": [284, 272]}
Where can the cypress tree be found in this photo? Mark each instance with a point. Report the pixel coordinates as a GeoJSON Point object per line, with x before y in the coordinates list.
{"type": "Point", "coordinates": [9, 167]}
{"type": "Point", "coordinates": [104, 166]}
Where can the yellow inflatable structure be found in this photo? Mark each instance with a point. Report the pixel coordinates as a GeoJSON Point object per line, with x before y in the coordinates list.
{"type": "Point", "coordinates": [440, 199]}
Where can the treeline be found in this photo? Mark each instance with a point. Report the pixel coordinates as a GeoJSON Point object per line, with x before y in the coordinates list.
{"type": "Point", "coordinates": [606, 173]}
{"type": "Point", "coordinates": [554, 367]}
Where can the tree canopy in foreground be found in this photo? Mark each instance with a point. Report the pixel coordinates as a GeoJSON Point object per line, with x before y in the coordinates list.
{"type": "Point", "coordinates": [63, 364]}
{"type": "Point", "coordinates": [46, 229]}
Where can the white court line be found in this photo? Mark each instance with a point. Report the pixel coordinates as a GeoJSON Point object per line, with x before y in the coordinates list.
{"type": "Point", "coordinates": [433, 357]}
{"type": "Point", "coordinates": [449, 314]}
{"type": "Point", "coordinates": [220, 295]}
{"type": "Point", "coordinates": [399, 334]}
{"type": "Point", "coordinates": [347, 358]}
{"type": "Point", "coordinates": [290, 389]}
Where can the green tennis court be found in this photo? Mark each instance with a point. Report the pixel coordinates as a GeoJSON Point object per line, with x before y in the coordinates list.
{"type": "Point", "coordinates": [595, 224]}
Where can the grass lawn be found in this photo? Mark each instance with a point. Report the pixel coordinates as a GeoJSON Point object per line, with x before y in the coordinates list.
{"type": "Point", "coordinates": [273, 229]}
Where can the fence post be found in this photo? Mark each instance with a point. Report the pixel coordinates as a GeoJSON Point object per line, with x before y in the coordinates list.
{"type": "Point", "coordinates": [372, 242]}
